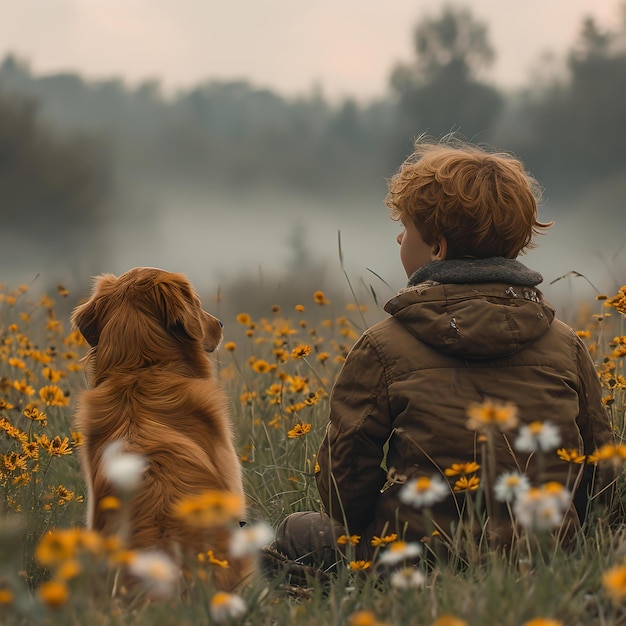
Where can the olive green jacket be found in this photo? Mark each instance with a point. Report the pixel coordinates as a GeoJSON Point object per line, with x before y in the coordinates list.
{"type": "Point", "coordinates": [399, 405]}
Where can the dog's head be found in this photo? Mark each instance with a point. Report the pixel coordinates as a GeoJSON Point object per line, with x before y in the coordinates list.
{"type": "Point", "coordinates": [140, 316]}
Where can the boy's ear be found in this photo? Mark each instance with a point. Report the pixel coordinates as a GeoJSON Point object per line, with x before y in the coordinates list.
{"type": "Point", "coordinates": [439, 251]}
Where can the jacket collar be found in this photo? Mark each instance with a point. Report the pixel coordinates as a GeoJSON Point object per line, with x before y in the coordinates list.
{"type": "Point", "coordinates": [491, 270]}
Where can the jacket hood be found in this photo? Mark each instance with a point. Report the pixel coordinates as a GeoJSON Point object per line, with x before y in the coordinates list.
{"type": "Point", "coordinates": [468, 309]}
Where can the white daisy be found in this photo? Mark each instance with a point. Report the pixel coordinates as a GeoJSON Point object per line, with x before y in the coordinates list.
{"type": "Point", "coordinates": [124, 470]}
{"type": "Point", "coordinates": [542, 508]}
{"type": "Point", "coordinates": [424, 491]}
{"type": "Point", "coordinates": [509, 486]}
{"type": "Point", "coordinates": [226, 606]}
{"type": "Point", "coordinates": [543, 436]}
{"type": "Point", "coordinates": [157, 571]}
{"type": "Point", "coordinates": [399, 551]}
{"type": "Point", "coordinates": [248, 540]}
{"type": "Point", "coordinates": [408, 578]}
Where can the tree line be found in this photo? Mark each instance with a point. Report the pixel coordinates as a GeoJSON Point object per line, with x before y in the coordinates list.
{"type": "Point", "coordinates": [68, 144]}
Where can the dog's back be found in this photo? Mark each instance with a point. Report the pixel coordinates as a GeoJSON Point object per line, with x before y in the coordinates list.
{"type": "Point", "coordinates": [153, 389]}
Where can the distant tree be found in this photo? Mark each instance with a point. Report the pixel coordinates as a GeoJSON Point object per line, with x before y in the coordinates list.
{"type": "Point", "coordinates": [578, 131]}
{"type": "Point", "coordinates": [50, 185]}
{"type": "Point", "coordinates": [440, 91]}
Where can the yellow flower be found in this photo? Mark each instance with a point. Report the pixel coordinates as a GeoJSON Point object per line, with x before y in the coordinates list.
{"type": "Point", "coordinates": [467, 484]}
{"type": "Point", "coordinates": [357, 566]}
{"type": "Point", "coordinates": [244, 318]}
{"type": "Point", "coordinates": [57, 546]}
{"type": "Point", "coordinates": [322, 357]}
{"type": "Point", "coordinates": [23, 387]}
{"type": "Point", "coordinates": [211, 508]}
{"type": "Point", "coordinates": [69, 569]}
{"type": "Point", "coordinates": [543, 621]}
{"type": "Point", "coordinates": [382, 541]}
{"type": "Point", "coordinates": [109, 503]}
{"type": "Point", "coordinates": [58, 446]}
{"type": "Point", "coordinates": [33, 413]}
{"type": "Point", "coordinates": [364, 618]}
{"type": "Point", "coordinates": [261, 367]}
{"type": "Point", "coordinates": [17, 363]}
{"type": "Point", "coordinates": [300, 351]}
{"type": "Point", "coordinates": [449, 620]}
{"type": "Point", "coordinates": [320, 298]}
{"type": "Point", "coordinates": [462, 468]}
{"type": "Point", "coordinates": [571, 456]}
{"type": "Point", "coordinates": [614, 581]}
{"type": "Point", "coordinates": [299, 308]}
{"type": "Point", "coordinates": [6, 597]}
{"type": "Point", "coordinates": [54, 593]}
{"type": "Point", "coordinates": [615, 453]}
{"type": "Point", "coordinates": [230, 346]}
{"type": "Point", "coordinates": [298, 430]}
{"type": "Point", "coordinates": [53, 396]}
{"type": "Point", "coordinates": [213, 560]}
{"type": "Point", "coordinates": [353, 540]}
{"type": "Point", "coordinates": [503, 415]}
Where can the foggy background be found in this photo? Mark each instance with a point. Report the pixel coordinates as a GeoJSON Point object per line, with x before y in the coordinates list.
{"type": "Point", "coordinates": [245, 187]}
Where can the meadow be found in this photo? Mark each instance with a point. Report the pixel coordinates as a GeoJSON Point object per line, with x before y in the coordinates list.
{"type": "Point", "coordinates": [278, 369]}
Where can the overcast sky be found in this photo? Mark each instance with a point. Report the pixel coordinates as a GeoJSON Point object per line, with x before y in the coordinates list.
{"type": "Point", "coordinates": [348, 47]}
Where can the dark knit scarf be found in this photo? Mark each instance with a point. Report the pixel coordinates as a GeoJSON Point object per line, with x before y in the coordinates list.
{"type": "Point", "coordinates": [491, 270]}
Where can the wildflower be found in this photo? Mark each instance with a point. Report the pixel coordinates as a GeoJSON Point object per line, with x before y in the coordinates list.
{"type": "Point", "coordinates": [383, 541]}
{"type": "Point", "coordinates": [157, 570]}
{"type": "Point", "coordinates": [17, 363]}
{"type": "Point", "coordinates": [535, 436]}
{"type": "Point", "coordinates": [408, 578]}
{"type": "Point", "coordinates": [31, 449]}
{"type": "Point", "coordinates": [542, 508]}
{"type": "Point", "coordinates": [322, 357]}
{"type": "Point", "coordinates": [54, 593]}
{"type": "Point", "coordinates": [109, 503]}
{"type": "Point", "coordinates": [5, 405]}
{"type": "Point", "coordinates": [503, 415]}
{"type": "Point", "coordinates": [320, 298]}
{"type": "Point", "coordinates": [211, 508]}
{"type": "Point", "coordinates": [244, 318]}
{"type": "Point", "coordinates": [6, 597]}
{"type": "Point", "coordinates": [57, 546]}
{"type": "Point", "coordinates": [226, 606]}
{"type": "Point", "coordinates": [449, 620]}
{"type": "Point", "coordinates": [230, 346]}
{"type": "Point", "coordinates": [543, 621]}
{"type": "Point", "coordinates": [467, 484]}
{"type": "Point", "coordinates": [54, 376]}
{"type": "Point", "coordinates": [344, 540]}
{"type": "Point", "coordinates": [299, 430]}
{"type": "Point", "coordinates": [248, 397]}
{"type": "Point", "coordinates": [399, 551]}
{"type": "Point", "coordinates": [23, 387]}
{"type": "Point", "coordinates": [364, 618]}
{"type": "Point", "coordinates": [77, 438]}
{"type": "Point", "coordinates": [53, 396]}
{"type": "Point", "coordinates": [261, 367]}
{"type": "Point", "coordinates": [33, 413]}
{"type": "Point", "coordinates": [248, 540]}
{"type": "Point", "coordinates": [213, 560]}
{"type": "Point", "coordinates": [124, 470]}
{"type": "Point", "coordinates": [614, 581]}
{"type": "Point", "coordinates": [462, 468]}
{"type": "Point", "coordinates": [571, 456]}
{"type": "Point", "coordinates": [58, 446]}
{"type": "Point", "coordinates": [69, 569]}
{"type": "Point", "coordinates": [509, 486]}
{"type": "Point", "coordinates": [299, 308]}
{"type": "Point", "coordinates": [13, 431]}
{"type": "Point", "coordinates": [615, 453]}
{"type": "Point", "coordinates": [424, 491]}
{"type": "Point", "coordinates": [300, 351]}
{"type": "Point", "coordinates": [359, 566]}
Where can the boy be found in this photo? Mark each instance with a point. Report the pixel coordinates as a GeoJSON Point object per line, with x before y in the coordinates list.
{"type": "Point", "coordinates": [469, 337]}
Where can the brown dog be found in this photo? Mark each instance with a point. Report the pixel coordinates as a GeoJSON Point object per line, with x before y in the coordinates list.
{"type": "Point", "coordinates": [152, 388]}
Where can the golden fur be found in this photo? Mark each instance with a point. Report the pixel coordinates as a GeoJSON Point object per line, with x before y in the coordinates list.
{"type": "Point", "coordinates": [152, 387]}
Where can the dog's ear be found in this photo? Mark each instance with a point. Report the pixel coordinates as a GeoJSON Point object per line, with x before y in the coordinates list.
{"type": "Point", "coordinates": [88, 317]}
{"type": "Point", "coordinates": [180, 307]}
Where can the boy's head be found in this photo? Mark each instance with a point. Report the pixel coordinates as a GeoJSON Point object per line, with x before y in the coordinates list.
{"type": "Point", "coordinates": [484, 204]}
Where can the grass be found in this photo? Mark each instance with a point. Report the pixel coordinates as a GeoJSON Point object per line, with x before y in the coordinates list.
{"type": "Point", "coordinates": [278, 370]}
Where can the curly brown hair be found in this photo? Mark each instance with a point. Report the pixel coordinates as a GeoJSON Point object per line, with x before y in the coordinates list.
{"type": "Point", "coordinates": [483, 203]}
